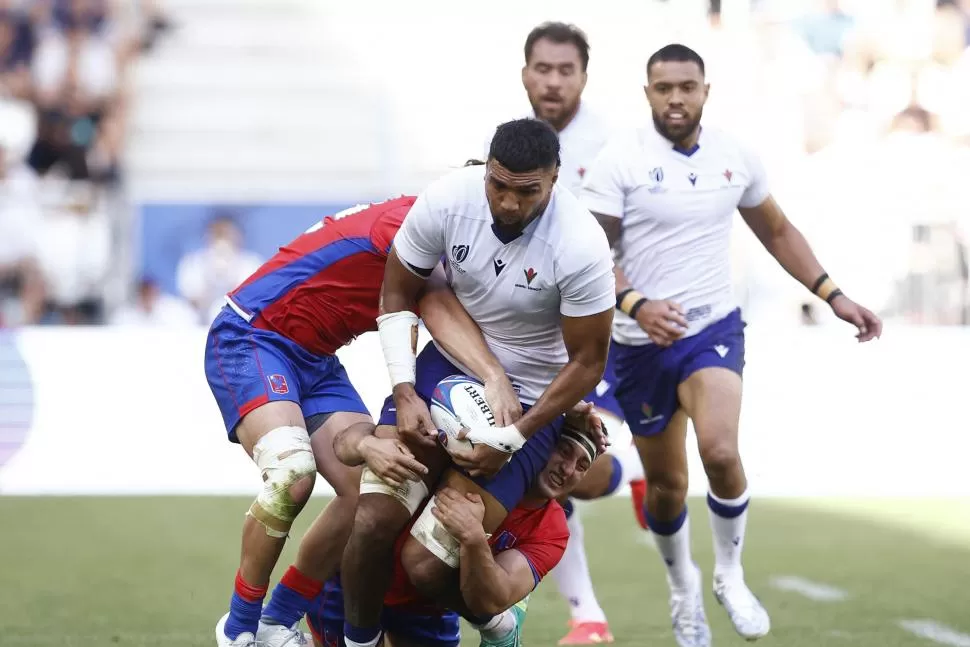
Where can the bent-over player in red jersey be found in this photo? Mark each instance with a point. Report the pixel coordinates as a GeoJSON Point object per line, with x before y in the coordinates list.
{"type": "Point", "coordinates": [497, 572]}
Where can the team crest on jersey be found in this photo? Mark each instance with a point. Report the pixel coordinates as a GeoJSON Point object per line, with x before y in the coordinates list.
{"type": "Point", "coordinates": [581, 171]}
{"type": "Point", "coordinates": [459, 253]}
{"type": "Point", "coordinates": [657, 177]}
{"type": "Point", "coordinates": [278, 383]}
{"type": "Point", "coordinates": [728, 174]}
{"type": "Point", "coordinates": [530, 274]}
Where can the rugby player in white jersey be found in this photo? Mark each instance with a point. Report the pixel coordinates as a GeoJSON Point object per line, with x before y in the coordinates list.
{"type": "Point", "coordinates": [532, 267]}
{"type": "Point", "coordinates": [668, 194]}
{"type": "Point", "coordinates": [554, 77]}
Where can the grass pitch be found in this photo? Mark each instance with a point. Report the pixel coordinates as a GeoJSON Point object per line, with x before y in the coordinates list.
{"type": "Point", "coordinates": [152, 572]}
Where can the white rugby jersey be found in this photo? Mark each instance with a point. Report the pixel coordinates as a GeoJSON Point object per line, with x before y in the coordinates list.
{"type": "Point", "coordinates": [580, 141]}
{"type": "Point", "coordinates": [677, 211]}
{"type": "Point", "coordinates": [516, 292]}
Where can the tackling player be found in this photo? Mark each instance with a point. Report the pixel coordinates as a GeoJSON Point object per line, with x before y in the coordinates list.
{"type": "Point", "coordinates": [283, 395]}
{"type": "Point", "coordinates": [533, 269]}
{"type": "Point", "coordinates": [496, 571]}
{"type": "Point", "coordinates": [668, 194]}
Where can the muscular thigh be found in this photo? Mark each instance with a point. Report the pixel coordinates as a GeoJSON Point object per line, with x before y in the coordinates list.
{"type": "Point", "coordinates": [712, 399]}
{"type": "Point", "coordinates": [664, 455]}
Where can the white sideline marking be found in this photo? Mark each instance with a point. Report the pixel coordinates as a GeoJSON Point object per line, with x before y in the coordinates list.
{"type": "Point", "coordinates": [937, 632]}
{"type": "Point", "coordinates": [811, 590]}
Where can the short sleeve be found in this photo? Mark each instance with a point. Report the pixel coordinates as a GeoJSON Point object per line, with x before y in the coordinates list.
{"type": "Point", "coordinates": [603, 189]}
{"type": "Point", "coordinates": [420, 241]}
{"type": "Point", "coordinates": [587, 286]}
{"type": "Point", "coordinates": [757, 190]}
{"type": "Point", "coordinates": [545, 548]}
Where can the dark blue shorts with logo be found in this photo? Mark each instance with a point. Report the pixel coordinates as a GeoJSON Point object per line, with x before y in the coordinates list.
{"type": "Point", "coordinates": [647, 376]}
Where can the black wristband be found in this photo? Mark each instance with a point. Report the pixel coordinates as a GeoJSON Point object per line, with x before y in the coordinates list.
{"type": "Point", "coordinates": [831, 297]}
{"type": "Point", "coordinates": [621, 296]}
{"type": "Point", "coordinates": [818, 282]}
{"type": "Point", "coordinates": [636, 306]}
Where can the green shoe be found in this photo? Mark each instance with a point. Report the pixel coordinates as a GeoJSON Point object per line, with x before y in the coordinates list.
{"type": "Point", "coordinates": [514, 637]}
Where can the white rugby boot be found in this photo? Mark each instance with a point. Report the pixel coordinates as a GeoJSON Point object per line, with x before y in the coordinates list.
{"type": "Point", "coordinates": [687, 614]}
{"type": "Point", "coordinates": [749, 617]}
{"type": "Point", "coordinates": [242, 640]}
{"type": "Point", "coordinates": [270, 635]}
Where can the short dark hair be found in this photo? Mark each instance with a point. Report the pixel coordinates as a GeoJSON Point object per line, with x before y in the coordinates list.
{"type": "Point", "coordinates": [559, 32]}
{"type": "Point", "coordinates": [677, 53]}
{"type": "Point", "coordinates": [525, 145]}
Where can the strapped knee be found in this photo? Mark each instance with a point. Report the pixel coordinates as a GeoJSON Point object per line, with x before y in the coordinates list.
{"type": "Point", "coordinates": [435, 537]}
{"type": "Point", "coordinates": [410, 494]}
{"type": "Point", "coordinates": [284, 457]}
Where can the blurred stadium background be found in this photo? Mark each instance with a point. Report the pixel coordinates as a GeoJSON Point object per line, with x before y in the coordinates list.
{"type": "Point", "coordinates": [152, 152]}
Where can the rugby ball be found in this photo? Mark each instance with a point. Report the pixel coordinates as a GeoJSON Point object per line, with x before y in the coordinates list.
{"type": "Point", "coordinates": [458, 402]}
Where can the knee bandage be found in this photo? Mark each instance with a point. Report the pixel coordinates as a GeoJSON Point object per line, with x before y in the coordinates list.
{"type": "Point", "coordinates": [432, 535]}
{"type": "Point", "coordinates": [410, 494]}
{"type": "Point", "coordinates": [283, 457]}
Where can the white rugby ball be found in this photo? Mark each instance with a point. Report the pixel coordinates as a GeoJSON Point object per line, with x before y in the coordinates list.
{"type": "Point", "coordinates": [458, 402]}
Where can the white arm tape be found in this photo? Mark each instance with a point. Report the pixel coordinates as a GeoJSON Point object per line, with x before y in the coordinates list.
{"type": "Point", "coordinates": [506, 439]}
{"type": "Point", "coordinates": [396, 330]}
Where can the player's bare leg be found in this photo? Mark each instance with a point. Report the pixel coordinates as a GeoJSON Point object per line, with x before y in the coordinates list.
{"type": "Point", "coordinates": [439, 580]}
{"type": "Point", "coordinates": [712, 397]}
{"type": "Point", "coordinates": [664, 457]}
{"type": "Point", "coordinates": [322, 545]}
{"type": "Point", "coordinates": [588, 624]}
{"type": "Point", "coordinates": [275, 437]}
{"type": "Point", "coordinates": [368, 559]}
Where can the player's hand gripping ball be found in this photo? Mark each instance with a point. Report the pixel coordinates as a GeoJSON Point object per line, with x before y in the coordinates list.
{"type": "Point", "coordinates": [459, 403]}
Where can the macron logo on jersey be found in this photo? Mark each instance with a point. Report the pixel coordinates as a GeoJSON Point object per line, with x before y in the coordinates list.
{"type": "Point", "coordinates": [499, 266]}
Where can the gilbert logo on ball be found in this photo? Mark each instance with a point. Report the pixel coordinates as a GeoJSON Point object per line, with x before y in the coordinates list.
{"type": "Point", "coordinates": [458, 402]}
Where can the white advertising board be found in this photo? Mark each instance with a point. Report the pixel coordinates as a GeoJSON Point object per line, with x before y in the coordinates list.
{"type": "Point", "coordinates": [128, 411]}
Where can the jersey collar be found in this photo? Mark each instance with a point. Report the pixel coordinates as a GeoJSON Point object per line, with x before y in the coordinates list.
{"type": "Point", "coordinates": [652, 132]}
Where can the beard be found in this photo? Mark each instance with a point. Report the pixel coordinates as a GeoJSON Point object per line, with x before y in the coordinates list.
{"type": "Point", "coordinates": [677, 134]}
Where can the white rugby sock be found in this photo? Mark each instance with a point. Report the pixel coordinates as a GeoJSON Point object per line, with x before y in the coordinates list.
{"type": "Point", "coordinates": [673, 542]}
{"type": "Point", "coordinates": [498, 627]}
{"type": "Point", "coordinates": [729, 518]}
{"type": "Point", "coordinates": [573, 579]}
{"type": "Point", "coordinates": [372, 643]}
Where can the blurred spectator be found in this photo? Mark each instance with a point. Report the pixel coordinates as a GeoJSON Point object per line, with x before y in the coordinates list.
{"type": "Point", "coordinates": [77, 76]}
{"type": "Point", "coordinates": [21, 284]}
{"type": "Point", "coordinates": [75, 255]}
{"type": "Point", "coordinates": [206, 275]}
{"type": "Point", "coordinates": [152, 307]}
{"type": "Point", "coordinates": [826, 30]}
{"type": "Point", "coordinates": [16, 49]}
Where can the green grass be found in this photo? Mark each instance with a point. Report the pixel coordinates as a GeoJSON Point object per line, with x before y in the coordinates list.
{"type": "Point", "coordinates": [158, 571]}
